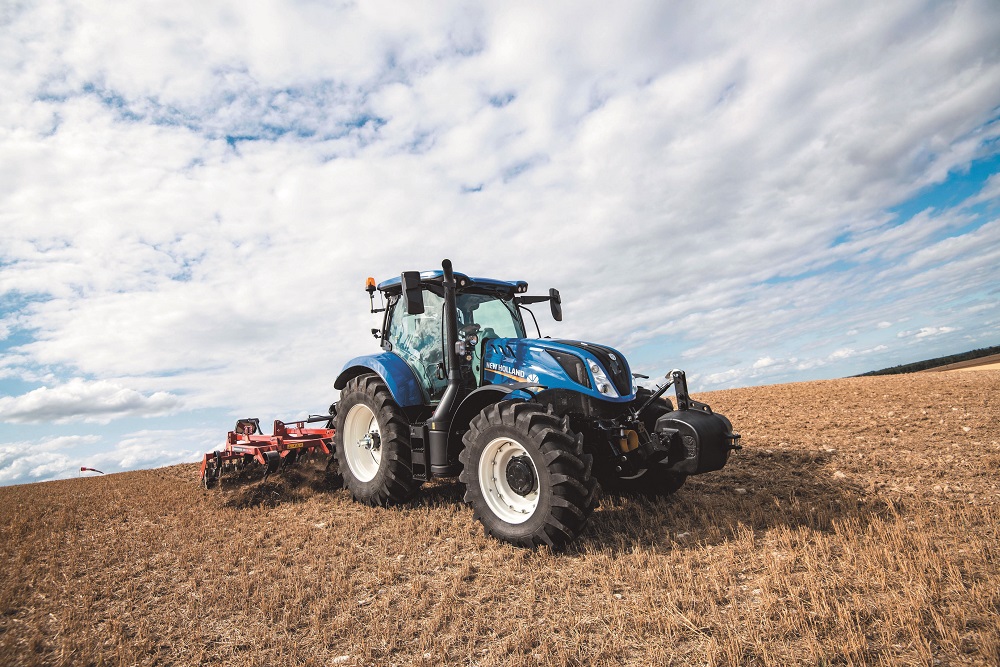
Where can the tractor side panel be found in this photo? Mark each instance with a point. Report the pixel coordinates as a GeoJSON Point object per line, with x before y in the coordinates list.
{"type": "Point", "coordinates": [396, 373]}
{"type": "Point", "coordinates": [516, 360]}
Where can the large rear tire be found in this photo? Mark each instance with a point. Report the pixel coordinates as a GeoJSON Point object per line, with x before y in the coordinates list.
{"type": "Point", "coordinates": [373, 443]}
{"type": "Point", "coordinates": [526, 475]}
{"type": "Point", "coordinates": [656, 480]}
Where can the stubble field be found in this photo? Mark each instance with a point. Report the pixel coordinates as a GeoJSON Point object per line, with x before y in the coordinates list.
{"type": "Point", "coordinates": [859, 526]}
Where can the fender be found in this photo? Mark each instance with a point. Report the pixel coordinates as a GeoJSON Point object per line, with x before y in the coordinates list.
{"type": "Point", "coordinates": [394, 371]}
{"type": "Point", "coordinates": [474, 403]}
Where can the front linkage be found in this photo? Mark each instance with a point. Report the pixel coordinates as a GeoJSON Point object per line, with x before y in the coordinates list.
{"type": "Point", "coordinates": [693, 439]}
{"type": "Point", "coordinates": [652, 448]}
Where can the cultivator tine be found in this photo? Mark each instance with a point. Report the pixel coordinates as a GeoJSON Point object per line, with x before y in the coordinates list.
{"type": "Point", "coordinates": [291, 443]}
{"type": "Point", "coordinates": [212, 469]}
{"type": "Point", "coordinates": [273, 462]}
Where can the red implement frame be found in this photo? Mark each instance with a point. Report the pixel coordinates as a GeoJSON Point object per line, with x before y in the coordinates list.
{"type": "Point", "coordinates": [246, 445]}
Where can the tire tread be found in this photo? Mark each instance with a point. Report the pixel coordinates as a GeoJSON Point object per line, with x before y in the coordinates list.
{"type": "Point", "coordinates": [395, 482]}
{"type": "Point", "coordinates": [575, 491]}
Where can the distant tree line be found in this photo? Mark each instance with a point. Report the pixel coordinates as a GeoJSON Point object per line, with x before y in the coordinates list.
{"type": "Point", "coordinates": [934, 363]}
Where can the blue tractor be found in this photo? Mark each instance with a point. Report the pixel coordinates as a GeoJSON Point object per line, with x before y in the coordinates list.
{"type": "Point", "coordinates": [533, 427]}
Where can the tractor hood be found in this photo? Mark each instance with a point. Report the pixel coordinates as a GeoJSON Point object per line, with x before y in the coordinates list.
{"type": "Point", "coordinates": [596, 370]}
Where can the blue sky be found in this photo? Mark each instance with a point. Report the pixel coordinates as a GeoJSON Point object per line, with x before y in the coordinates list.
{"type": "Point", "coordinates": [191, 196]}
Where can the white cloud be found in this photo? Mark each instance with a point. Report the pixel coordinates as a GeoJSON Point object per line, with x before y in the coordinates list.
{"type": "Point", "coordinates": [990, 192]}
{"type": "Point", "coordinates": [724, 377]}
{"type": "Point", "coordinates": [65, 442]}
{"type": "Point", "coordinates": [61, 457]}
{"type": "Point", "coordinates": [934, 331]}
{"type": "Point", "coordinates": [99, 401]}
{"type": "Point", "coordinates": [191, 196]}
{"type": "Point", "coordinates": [926, 332]}
{"type": "Point", "coordinates": [152, 448]}
{"type": "Point", "coordinates": [764, 362]}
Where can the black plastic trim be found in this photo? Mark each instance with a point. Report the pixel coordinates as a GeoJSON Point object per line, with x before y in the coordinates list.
{"type": "Point", "coordinates": [573, 365]}
{"type": "Point", "coordinates": [614, 363]}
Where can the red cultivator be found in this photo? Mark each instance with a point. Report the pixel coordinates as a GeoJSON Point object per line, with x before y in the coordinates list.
{"type": "Point", "coordinates": [247, 447]}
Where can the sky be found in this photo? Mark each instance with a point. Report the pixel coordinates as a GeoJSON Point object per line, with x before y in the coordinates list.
{"type": "Point", "coordinates": [192, 195]}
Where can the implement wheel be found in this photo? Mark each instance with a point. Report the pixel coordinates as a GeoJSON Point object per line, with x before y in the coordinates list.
{"type": "Point", "coordinates": [211, 477]}
{"type": "Point", "coordinates": [526, 475]}
{"type": "Point", "coordinates": [656, 480]}
{"type": "Point", "coordinates": [373, 443]}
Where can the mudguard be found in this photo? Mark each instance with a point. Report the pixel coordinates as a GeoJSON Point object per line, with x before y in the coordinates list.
{"type": "Point", "coordinates": [393, 370]}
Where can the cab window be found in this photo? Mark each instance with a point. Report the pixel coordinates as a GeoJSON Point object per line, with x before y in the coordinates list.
{"type": "Point", "coordinates": [418, 340]}
{"type": "Point", "coordinates": [496, 318]}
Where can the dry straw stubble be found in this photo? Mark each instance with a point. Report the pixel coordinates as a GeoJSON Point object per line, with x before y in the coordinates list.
{"type": "Point", "coordinates": [857, 527]}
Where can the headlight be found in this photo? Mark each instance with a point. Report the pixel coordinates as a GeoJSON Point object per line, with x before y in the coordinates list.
{"type": "Point", "coordinates": [601, 380]}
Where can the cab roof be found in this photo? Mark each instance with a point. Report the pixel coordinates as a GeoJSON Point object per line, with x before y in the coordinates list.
{"type": "Point", "coordinates": [394, 285]}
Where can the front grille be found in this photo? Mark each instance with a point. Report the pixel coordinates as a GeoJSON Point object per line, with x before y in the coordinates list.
{"type": "Point", "coordinates": [614, 363]}
{"type": "Point", "coordinates": [573, 365]}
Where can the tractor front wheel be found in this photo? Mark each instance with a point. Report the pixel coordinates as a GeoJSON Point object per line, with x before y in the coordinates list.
{"type": "Point", "coordinates": [526, 475]}
{"type": "Point", "coordinates": [373, 443]}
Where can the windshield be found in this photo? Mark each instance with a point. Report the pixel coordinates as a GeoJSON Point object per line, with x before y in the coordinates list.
{"type": "Point", "coordinates": [496, 317]}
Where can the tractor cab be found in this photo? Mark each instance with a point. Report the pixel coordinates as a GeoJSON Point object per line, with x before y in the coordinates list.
{"type": "Point", "coordinates": [414, 326]}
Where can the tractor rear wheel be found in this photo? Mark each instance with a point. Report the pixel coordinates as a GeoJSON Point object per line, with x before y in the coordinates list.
{"type": "Point", "coordinates": [656, 480]}
{"type": "Point", "coordinates": [373, 443]}
{"type": "Point", "coordinates": [526, 475]}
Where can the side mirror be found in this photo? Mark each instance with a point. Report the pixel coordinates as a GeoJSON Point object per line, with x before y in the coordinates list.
{"type": "Point", "coordinates": [413, 297]}
{"type": "Point", "coordinates": [555, 302]}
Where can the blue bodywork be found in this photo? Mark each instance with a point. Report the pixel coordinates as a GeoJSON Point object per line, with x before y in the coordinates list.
{"type": "Point", "coordinates": [504, 361]}
{"type": "Point", "coordinates": [393, 284]}
{"type": "Point", "coordinates": [396, 373]}
{"type": "Point", "coordinates": [518, 360]}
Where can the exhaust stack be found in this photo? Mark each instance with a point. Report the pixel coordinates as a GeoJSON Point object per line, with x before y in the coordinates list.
{"type": "Point", "coordinates": [440, 422]}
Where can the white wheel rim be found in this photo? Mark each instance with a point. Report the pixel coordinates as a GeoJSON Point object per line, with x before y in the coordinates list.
{"type": "Point", "coordinates": [362, 443]}
{"type": "Point", "coordinates": [503, 500]}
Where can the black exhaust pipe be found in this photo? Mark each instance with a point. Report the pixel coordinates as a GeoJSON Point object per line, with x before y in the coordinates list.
{"type": "Point", "coordinates": [440, 422]}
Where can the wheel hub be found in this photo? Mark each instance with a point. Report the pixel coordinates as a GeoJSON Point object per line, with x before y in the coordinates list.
{"type": "Point", "coordinates": [521, 475]}
{"type": "Point", "coordinates": [371, 441]}
{"type": "Point", "coordinates": [508, 480]}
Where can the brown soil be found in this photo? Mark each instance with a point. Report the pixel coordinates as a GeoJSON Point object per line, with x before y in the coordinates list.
{"type": "Point", "coordinates": [859, 526]}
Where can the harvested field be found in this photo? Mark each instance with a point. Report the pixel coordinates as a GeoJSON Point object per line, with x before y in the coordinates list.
{"type": "Point", "coordinates": [859, 526]}
{"type": "Point", "coordinates": [990, 363]}
{"type": "Point", "coordinates": [981, 367]}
